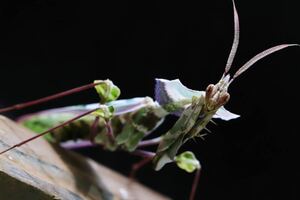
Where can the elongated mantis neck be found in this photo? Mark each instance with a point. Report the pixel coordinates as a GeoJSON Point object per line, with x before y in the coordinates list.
{"type": "Point", "coordinates": [48, 98]}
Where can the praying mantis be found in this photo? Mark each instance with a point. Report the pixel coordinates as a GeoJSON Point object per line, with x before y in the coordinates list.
{"type": "Point", "coordinates": [123, 124]}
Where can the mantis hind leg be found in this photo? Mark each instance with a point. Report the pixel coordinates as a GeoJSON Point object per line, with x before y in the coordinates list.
{"type": "Point", "coordinates": [137, 166]}
{"type": "Point", "coordinates": [147, 157]}
{"type": "Point", "coordinates": [94, 129]}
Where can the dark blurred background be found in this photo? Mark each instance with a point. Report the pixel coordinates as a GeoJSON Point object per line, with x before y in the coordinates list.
{"type": "Point", "coordinates": [48, 46]}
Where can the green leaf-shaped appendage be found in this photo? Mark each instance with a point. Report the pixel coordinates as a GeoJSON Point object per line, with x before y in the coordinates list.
{"type": "Point", "coordinates": [129, 137]}
{"type": "Point", "coordinates": [187, 161]}
{"type": "Point", "coordinates": [105, 112]}
{"type": "Point", "coordinates": [107, 91]}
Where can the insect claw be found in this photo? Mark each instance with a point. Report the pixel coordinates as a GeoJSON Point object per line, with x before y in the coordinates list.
{"type": "Point", "coordinates": [194, 140]}
{"type": "Point", "coordinates": [207, 130]}
{"type": "Point", "coordinates": [202, 136]}
{"type": "Point", "coordinates": [212, 121]}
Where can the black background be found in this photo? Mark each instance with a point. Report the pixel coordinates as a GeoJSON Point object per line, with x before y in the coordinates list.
{"type": "Point", "coordinates": [51, 46]}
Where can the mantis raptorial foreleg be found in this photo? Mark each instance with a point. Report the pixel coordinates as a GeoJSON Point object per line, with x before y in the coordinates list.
{"type": "Point", "coordinates": [188, 126]}
{"type": "Point", "coordinates": [174, 138]}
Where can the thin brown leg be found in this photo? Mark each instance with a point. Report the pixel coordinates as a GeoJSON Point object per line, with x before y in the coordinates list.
{"type": "Point", "coordinates": [48, 98]}
{"type": "Point", "coordinates": [48, 131]}
{"type": "Point", "coordinates": [147, 157]}
{"type": "Point", "coordinates": [94, 129]}
{"type": "Point", "coordinates": [195, 185]}
{"type": "Point", "coordinates": [110, 130]}
{"type": "Point", "coordinates": [137, 166]}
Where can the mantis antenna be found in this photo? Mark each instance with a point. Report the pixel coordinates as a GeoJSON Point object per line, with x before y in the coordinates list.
{"type": "Point", "coordinates": [236, 39]}
{"type": "Point", "coordinates": [259, 56]}
{"type": "Point", "coordinates": [234, 47]}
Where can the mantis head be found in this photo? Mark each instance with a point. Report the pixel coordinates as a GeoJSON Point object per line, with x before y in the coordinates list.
{"type": "Point", "coordinates": [217, 95]}
{"type": "Point", "coordinates": [197, 108]}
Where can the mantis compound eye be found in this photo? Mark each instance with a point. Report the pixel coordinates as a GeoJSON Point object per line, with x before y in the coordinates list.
{"type": "Point", "coordinates": [224, 98]}
{"type": "Point", "coordinates": [209, 91]}
{"type": "Point", "coordinates": [217, 99]}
